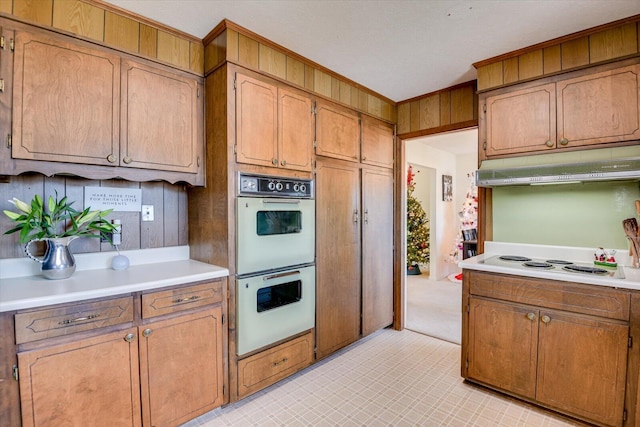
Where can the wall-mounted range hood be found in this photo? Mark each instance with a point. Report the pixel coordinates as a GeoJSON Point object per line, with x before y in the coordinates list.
{"type": "Point", "coordinates": [620, 163]}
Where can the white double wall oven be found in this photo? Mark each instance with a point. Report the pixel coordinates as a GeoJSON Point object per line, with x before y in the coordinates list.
{"type": "Point", "coordinates": [275, 282]}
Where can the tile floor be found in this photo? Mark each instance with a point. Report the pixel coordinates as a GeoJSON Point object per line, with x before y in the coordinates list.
{"type": "Point", "coordinates": [389, 378]}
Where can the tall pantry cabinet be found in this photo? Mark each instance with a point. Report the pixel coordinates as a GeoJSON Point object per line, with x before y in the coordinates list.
{"type": "Point", "coordinates": [354, 227]}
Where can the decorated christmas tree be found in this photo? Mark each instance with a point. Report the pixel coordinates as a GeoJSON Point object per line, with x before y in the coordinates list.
{"type": "Point", "coordinates": [417, 229]}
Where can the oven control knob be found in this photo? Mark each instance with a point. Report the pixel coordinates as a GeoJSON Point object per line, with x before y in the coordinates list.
{"type": "Point", "coordinates": [296, 187]}
{"type": "Point", "coordinates": [271, 186]}
{"type": "Point", "coordinates": [303, 188]}
{"type": "Point", "coordinates": [279, 186]}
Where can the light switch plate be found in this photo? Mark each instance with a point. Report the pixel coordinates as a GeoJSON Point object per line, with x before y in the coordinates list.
{"type": "Point", "coordinates": [147, 212]}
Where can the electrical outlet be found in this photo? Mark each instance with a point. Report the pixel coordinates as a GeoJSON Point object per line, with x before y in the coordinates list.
{"type": "Point", "coordinates": [147, 212]}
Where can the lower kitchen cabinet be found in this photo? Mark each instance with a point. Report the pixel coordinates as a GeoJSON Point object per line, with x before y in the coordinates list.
{"type": "Point", "coordinates": [97, 363]}
{"type": "Point", "coordinates": [181, 367]}
{"type": "Point", "coordinates": [552, 351]}
{"type": "Point", "coordinates": [269, 366]}
{"type": "Point", "coordinates": [92, 381]}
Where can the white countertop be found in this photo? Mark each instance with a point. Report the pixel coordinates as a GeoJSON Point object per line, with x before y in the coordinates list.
{"type": "Point", "coordinates": [21, 285]}
{"type": "Point", "coordinates": [631, 275]}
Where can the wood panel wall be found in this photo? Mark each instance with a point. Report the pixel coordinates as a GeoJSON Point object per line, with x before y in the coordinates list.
{"type": "Point", "coordinates": [170, 212]}
{"type": "Point", "coordinates": [113, 27]}
{"type": "Point", "coordinates": [448, 109]}
{"type": "Point", "coordinates": [616, 40]}
{"type": "Point", "coordinates": [232, 43]}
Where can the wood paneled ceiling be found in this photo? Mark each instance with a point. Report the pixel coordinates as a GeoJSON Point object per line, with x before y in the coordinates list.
{"type": "Point", "coordinates": [398, 48]}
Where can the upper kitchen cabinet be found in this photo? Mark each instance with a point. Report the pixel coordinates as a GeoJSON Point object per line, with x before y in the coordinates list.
{"type": "Point", "coordinates": [585, 108]}
{"type": "Point", "coordinates": [521, 121]}
{"type": "Point", "coordinates": [274, 124]}
{"type": "Point", "coordinates": [337, 132]}
{"type": "Point", "coordinates": [159, 119]}
{"type": "Point", "coordinates": [72, 107]}
{"type": "Point", "coordinates": [377, 143]}
{"type": "Point", "coordinates": [66, 102]}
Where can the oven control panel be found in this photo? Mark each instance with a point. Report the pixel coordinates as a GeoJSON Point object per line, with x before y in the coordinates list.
{"type": "Point", "coordinates": [260, 185]}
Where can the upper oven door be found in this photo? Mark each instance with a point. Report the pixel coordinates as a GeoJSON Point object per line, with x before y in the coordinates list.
{"type": "Point", "coordinates": [274, 233]}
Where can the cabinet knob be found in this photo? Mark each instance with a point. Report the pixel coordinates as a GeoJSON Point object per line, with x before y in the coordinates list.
{"type": "Point", "coordinates": [127, 159]}
{"type": "Point", "coordinates": [283, 163]}
{"type": "Point", "coordinates": [531, 316]}
{"type": "Point", "coordinates": [274, 161]}
{"type": "Point", "coordinates": [366, 216]}
{"type": "Point", "coordinates": [549, 144]}
{"type": "Point", "coordinates": [564, 141]}
{"type": "Point", "coordinates": [364, 158]}
{"type": "Point", "coordinates": [355, 216]}
{"type": "Point", "coordinates": [146, 332]}
{"type": "Point", "coordinates": [111, 158]}
{"type": "Point", "coordinates": [546, 319]}
{"type": "Point", "coordinates": [129, 337]}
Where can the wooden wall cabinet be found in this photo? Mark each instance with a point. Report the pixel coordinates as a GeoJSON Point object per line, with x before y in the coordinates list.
{"type": "Point", "coordinates": [547, 346]}
{"type": "Point", "coordinates": [162, 366]}
{"type": "Point", "coordinates": [274, 124]}
{"type": "Point", "coordinates": [589, 108]}
{"type": "Point", "coordinates": [337, 132]}
{"type": "Point", "coordinates": [78, 108]}
{"type": "Point", "coordinates": [377, 143]}
{"type": "Point", "coordinates": [354, 234]}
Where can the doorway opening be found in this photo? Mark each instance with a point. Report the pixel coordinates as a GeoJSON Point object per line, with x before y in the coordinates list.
{"type": "Point", "coordinates": [443, 167]}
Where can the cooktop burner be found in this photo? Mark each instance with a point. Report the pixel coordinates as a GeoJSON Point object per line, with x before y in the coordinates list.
{"type": "Point", "coordinates": [582, 269]}
{"type": "Point", "coordinates": [535, 264]}
{"type": "Point", "coordinates": [514, 258]}
{"type": "Point", "coordinates": [558, 262]}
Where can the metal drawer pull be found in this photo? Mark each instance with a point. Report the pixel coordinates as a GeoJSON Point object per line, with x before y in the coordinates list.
{"type": "Point", "coordinates": [531, 316]}
{"type": "Point", "coordinates": [280, 362]}
{"type": "Point", "coordinates": [275, 276]}
{"type": "Point", "coordinates": [546, 319]}
{"type": "Point", "coordinates": [129, 337]}
{"type": "Point", "coordinates": [187, 299]}
{"type": "Point", "coordinates": [276, 201]}
{"type": "Point", "coordinates": [355, 216]}
{"type": "Point", "coordinates": [78, 319]}
{"type": "Point", "coordinates": [146, 332]}
{"type": "Point", "coordinates": [366, 216]}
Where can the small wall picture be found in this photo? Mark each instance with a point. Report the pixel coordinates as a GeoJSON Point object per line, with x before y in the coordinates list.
{"type": "Point", "coordinates": [447, 188]}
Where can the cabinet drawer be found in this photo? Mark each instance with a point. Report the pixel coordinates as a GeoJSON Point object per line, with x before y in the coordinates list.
{"type": "Point", "coordinates": [263, 369]}
{"type": "Point", "coordinates": [55, 322]}
{"type": "Point", "coordinates": [183, 298]}
{"type": "Point", "coordinates": [574, 297]}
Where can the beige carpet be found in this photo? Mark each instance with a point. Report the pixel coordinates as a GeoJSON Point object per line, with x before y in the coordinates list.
{"type": "Point", "coordinates": [434, 308]}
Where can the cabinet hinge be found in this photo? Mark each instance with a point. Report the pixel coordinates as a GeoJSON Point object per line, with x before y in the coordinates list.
{"type": "Point", "coordinates": [198, 92]}
{"type": "Point", "coordinates": [223, 319]}
{"type": "Point", "coordinates": [624, 415]}
{"type": "Point", "coordinates": [12, 45]}
{"type": "Point", "coordinates": [315, 144]}
{"type": "Point", "coordinates": [630, 342]}
{"type": "Point", "coordinates": [484, 108]}
{"type": "Point", "coordinates": [15, 372]}
{"type": "Point", "coordinates": [1, 85]}
{"type": "Point", "coordinates": [198, 161]}
{"type": "Point", "coordinates": [224, 388]}
{"type": "Point", "coordinates": [1, 42]}
{"type": "Point", "coordinates": [235, 149]}
{"type": "Point", "coordinates": [468, 308]}
{"type": "Point", "coordinates": [8, 140]}
{"type": "Point", "coordinates": [466, 364]}
{"type": "Point", "coordinates": [484, 145]}
{"type": "Point", "coordinates": [234, 83]}
{"type": "Point", "coordinates": [313, 109]}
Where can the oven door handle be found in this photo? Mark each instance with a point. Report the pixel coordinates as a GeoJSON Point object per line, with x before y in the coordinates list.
{"type": "Point", "coordinates": [279, 201]}
{"type": "Point", "coordinates": [276, 276]}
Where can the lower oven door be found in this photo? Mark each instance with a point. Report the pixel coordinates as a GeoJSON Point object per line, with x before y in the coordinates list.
{"type": "Point", "coordinates": [273, 307]}
{"type": "Point", "coordinates": [274, 233]}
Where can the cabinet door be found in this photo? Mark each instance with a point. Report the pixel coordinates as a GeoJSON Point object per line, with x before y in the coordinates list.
{"type": "Point", "coordinates": [337, 256]}
{"type": "Point", "coordinates": [599, 108]}
{"type": "Point", "coordinates": [65, 102]}
{"type": "Point", "coordinates": [337, 132]}
{"type": "Point", "coordinates": [94, 382]}
{"type": "Point", "coordinates": [377, 250]}
{"type": "Point", "coordinates": [503, 345]}
{"type": "Point", "coordinates": [181, 367]}
{"type": "Point", "coordinates": [582, 366]}
{"type": "Point", "coordinates": [160, 119]}
{"type": "Point", "coordinates": [295, 130]}
{"type": "Point", "coordinates": [377, 143]}
{"type": "Point", "coordinates": [521, 121]}
{"type": "Point", "coordinates": [256, 121]}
